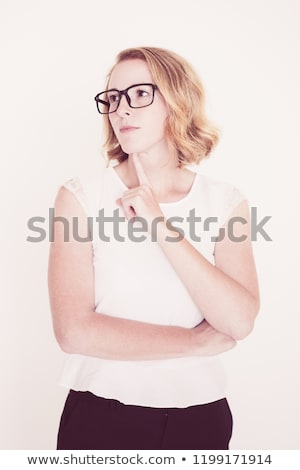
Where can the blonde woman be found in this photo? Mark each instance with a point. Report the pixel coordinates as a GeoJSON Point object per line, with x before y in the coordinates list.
{"type": "Point", "coordinates": [152, 286]}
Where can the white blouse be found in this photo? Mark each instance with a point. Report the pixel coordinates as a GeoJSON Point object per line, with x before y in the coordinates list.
{"type": "Point", "coordinates": [134, 280]}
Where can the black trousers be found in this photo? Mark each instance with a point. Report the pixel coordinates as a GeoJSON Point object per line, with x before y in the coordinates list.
{"type": "Point", "coordinates": [89, 422]}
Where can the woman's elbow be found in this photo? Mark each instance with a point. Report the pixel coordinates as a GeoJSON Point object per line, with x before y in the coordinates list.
{"type": "Point", "coordinates": [245, 327]}
{"type": "Point", "coordinates": [66, 340]}
{"type": "Point", "coordinates": [243, 331]}
{"type": "Point", "coordinates": [63, 342]}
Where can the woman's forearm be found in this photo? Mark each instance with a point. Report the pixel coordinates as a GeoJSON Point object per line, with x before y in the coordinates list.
{"type": "Point", "coordinates": [114, 338]}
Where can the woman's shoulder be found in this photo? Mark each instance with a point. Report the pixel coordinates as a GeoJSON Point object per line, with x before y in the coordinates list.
{"type": "Point", "coordinates": [87, 187]}
{"type": "Point", "coordinates": [86, 179]}
{"type": "Point", "coordinates": [212, 184]}
{"type": "Point", "coordinates": [216, 187]}
{"type": "Point", "coordinates": [220, 196]}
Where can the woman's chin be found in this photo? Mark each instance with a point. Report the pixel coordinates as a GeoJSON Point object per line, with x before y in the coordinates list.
{"type": "Point", "coordinates": [129, 149]}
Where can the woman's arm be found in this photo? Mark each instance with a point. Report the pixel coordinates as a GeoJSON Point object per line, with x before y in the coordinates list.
{"type": "Point", "coordinates": [80, 330]}
{"type": "Point", "coordinates": [227, 293]}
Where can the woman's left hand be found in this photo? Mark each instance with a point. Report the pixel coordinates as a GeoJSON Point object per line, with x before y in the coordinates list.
{"type": "Point", "coordinates": [141, 201]}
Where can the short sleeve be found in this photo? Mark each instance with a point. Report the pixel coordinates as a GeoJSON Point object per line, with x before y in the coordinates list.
{"type": "Point", "coordinates": [75, 186]}
{"type": "Point", "coordinates": [88, 188]}
{"type": "Point", "coordinates": [233, 199]}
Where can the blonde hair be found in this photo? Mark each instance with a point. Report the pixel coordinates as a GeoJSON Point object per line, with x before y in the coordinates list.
{"type": "Point", "coordinates": [188, 132]}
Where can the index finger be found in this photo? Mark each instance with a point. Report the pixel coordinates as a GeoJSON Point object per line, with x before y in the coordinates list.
{"type": "Point", "coordinates": [141, 174]}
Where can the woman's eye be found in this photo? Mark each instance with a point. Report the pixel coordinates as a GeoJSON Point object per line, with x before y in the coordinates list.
{"type": "Point", "coordinates": [113, 98]}
{"type": "Point", "coordinates": [142, 93]}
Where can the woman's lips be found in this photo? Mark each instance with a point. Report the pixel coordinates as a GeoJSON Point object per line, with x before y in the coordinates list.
{"type": "Point", "coordinates": [127, 129]}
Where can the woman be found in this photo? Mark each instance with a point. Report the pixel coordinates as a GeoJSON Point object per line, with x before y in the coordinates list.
{"type": "Point", "coordinates": [142, 305]}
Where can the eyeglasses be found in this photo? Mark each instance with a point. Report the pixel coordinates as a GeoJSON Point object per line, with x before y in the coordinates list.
{"type": "Point", "coordinates": [137, 96]}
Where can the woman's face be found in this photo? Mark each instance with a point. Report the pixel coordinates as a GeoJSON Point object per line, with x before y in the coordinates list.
{"type": "Point", "coordinates": [137, 129]}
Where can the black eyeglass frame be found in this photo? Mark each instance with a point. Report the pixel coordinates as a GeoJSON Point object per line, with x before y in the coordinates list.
{"type": "Point", "coordinates": [125, 93]}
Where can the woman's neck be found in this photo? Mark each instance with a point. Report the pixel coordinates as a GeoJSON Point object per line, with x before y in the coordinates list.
{"type": "Point", "coordinates": [168, 180]}
{"type": "Point", "coordinates": [161, 171]}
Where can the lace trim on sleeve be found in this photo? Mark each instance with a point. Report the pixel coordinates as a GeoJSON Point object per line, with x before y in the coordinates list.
{"type": "Point", "coordinates": [74, 185]}
{"type": "Point", "coordinates": [235, 197]}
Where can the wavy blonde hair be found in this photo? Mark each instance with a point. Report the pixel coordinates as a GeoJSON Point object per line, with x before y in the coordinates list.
{"type": "Point", "coordinates": [188, 132]}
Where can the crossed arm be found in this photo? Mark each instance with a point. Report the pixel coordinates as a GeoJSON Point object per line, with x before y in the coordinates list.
{"type": "Point", "coordinates": [227, 294]}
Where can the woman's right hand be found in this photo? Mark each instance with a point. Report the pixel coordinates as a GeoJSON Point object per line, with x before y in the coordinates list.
{"type": "Point", "coordinates": [208, 342]}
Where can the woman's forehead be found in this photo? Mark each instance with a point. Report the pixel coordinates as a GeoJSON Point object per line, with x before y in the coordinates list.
{"type": "Point", "coordinates": [129, 72]}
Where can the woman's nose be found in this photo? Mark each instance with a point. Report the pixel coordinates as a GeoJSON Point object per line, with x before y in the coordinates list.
{"type": "Point", "coordinates": [123, 108]}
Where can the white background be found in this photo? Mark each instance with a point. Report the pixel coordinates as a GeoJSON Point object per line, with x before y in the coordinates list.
{"type": "Point", "coordinates": [54, 58]}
